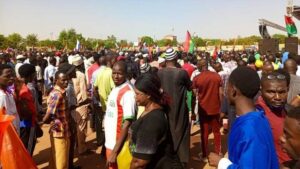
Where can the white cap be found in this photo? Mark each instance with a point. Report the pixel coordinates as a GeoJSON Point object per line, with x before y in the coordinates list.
{"type": "Point", "coordinates": [77, 60]}
{"type": "Point", "coordinates": [20, 57]}
{"type": "Point", "coordinates": [161, 60]}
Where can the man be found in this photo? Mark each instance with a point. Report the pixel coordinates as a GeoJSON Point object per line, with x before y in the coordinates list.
{"type": "Point", "coordinates": [104, 83]}
{"type": "Point", "coordinates": [58, 113]}
{"type": "Point", "coordinates": [120, 113]}
{"type": "Point", "coordinates": [266, 68]}
{"type": "Point", "coordinates": [70, 71]}
{"type": "Point", "coordinates": [81, 111]}
{"type": "Point", "coordinates": [175, 82]}
{"type": "Point", "coordinates": [20, 60]}
{"type": "Point", "coordinates": [189, 68]}
{"type": "Point", "coordinates": [225, 107]}
{"type": "Point", "coordinates": [7, 101]}
{"type": "Point", "coordinates": [228, 64]}
{"type": "Point", "coordinates": [290, 140]}
{"type": "Point", "coordinates": [250, 143]}
{"type": "Point", "coordinates": [93, 67]}
{"type": "Point", "coordinates": [26, 103]}
{"type": "Point", "coordinates": [290, 66]}
{"type": "Point", "coordinates": [49, 74]}
{"type": "Point", "coordinates": [208, 87]}
{"type": "Point", "coordinates": [37, 83]}
{"type": "Point", "coordinates": [274, 89]}
{"type": "Point", "coordinates": [98, 113]}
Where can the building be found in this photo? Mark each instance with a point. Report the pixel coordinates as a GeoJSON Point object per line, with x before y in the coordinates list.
{"type": "Point", "coordinates": [171, 37]}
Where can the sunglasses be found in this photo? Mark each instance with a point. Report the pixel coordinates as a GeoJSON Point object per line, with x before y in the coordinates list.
{"type": "Point", "coordinates": [279, 77]}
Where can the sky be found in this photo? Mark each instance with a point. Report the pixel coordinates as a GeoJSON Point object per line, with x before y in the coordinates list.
{"type": "Point", "coordinates": [130, 19]}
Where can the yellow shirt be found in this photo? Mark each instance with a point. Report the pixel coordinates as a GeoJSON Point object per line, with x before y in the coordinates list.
{"type": "Point", "coordinates": [105, 84]}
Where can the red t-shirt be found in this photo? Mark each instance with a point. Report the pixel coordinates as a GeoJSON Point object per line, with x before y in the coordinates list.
{"type": "Point", "coordinates": [276, 122]}
{"type": "Point", "coordinates": [91, 70]}
{"type": "Point", "coordinates": [188, 68]}
{"type": "Point", "coordinates": [26, 103]}
{"type": "Point", "coordinates": [208, 83]}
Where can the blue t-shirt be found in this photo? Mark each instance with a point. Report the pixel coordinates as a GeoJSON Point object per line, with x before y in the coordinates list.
{"type": "Point", "coordinates": [251, 143]}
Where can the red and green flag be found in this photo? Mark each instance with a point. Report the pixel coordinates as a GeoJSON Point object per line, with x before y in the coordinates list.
{"type": "Point", "coordinates": [290, 25]}
{"type": "Point", "coordinates": [189, 44]}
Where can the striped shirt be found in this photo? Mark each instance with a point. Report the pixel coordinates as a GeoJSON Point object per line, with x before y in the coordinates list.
{"type": "Point", "coordinates": [58, 108]}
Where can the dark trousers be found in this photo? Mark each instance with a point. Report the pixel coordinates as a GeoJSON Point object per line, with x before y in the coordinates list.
{"type": "Point", "coordinates": [99, 115]}
{"type": "Point", "coordinates": [207, 122]}
{"type": "Point", "coordinates": [72, 126]}
{"type": "Point", "coordinates": [28, 137]}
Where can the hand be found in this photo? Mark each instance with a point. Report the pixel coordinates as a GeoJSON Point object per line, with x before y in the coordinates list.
{"type": "Point", "coordinates": [213, 159]}
{"type": "Point", "coordinates": [112, 159]}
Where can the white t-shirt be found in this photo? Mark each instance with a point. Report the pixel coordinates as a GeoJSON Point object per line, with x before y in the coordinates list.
{"type": "Point", "coordinates": [121, 106]}
{"type": "Point", "coordinates": [38, 70]}
{"type": "Point", "coordinates": [18, 65]}
{"type": "Point", "coordinates": [48, 73]}
{"type": "Point", "coordinates": [298, 71]}
{"type": "Point", "coordinates": [7, 101]}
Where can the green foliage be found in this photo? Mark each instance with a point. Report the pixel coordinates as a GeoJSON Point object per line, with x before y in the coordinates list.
{"type": "Point", "coordinates": [46, 43]}
{"type": "Point", "coordinates": [123, 43]}
{"type": "Point", "coordinates": [148, 40]}
{"type": "Point", "coordinates": [31, 40]}
{"type": "Point", "coordinates": [199, 41]}
{"type": "Point", "coordinates": [69, 38]}
{"type": "Point", "coordinates": [58, 45]}
{"type": "Point", "coordinates": [108, 44]}
{"type": "Point", "coordinates": [280, 37]}
{"type": "Point", "coordinates": [166, 42]}
{"type": "Point", "coordinates": [3, 42]}
{"type": "Point", "coordinates": [15, 41]}
{"type": "Point", "coordinates": [89, 43]}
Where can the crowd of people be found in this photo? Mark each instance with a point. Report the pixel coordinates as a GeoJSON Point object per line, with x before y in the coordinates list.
{"type": "Point", "coordinates": [146, 103]}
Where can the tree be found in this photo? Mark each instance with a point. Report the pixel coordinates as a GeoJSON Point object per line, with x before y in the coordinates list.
{"type": "Point", "coordinates": [69, 38]}
{"type": "Point", "coordinates": [280, 37]}
{"type": "Point", "coordinates": [112, 38]}
{"type": "Point", "coordinates": [58, 45]}
{"type": "Point", "coordinates": [100, 43]}
{"type": "Point", "coordinates": [46, 43]}
{"type": "Point", "coordinates": [166, 42]}
{"type": "Point", "coordinates": [148, 40]}
{"type": "Point", "coordinates": [15, 41]}
{"type": "Point", "coordinates": [3, 42]}
{"type": "Point", "coordinates": [110, 42]}
{"type": "Point", "coordinates": [123, 43]}
{"type": "Point", "coordinates": [199, 41]}
{"type": "Point", "coordinates": [31, 40]}
{"type": "Point", "coordinates": [89, 44]}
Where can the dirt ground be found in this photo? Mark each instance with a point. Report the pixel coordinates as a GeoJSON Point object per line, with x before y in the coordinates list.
{"type": "Point", "coordinates": [95, 161]}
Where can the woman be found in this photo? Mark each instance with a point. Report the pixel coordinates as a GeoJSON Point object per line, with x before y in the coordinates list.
{"type": "Point", "coordinates": [149, 135]}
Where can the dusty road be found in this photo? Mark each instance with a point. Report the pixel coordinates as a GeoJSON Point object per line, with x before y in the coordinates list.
{"type": "Point", "coordinates": [95, 161]}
